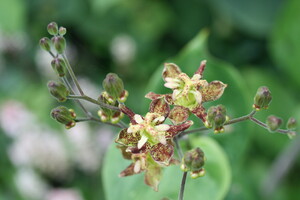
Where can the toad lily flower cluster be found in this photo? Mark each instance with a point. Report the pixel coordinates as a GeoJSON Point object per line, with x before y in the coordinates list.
{"type": "Point", "coordinates": [189, 93]}
{"type": "Point", "coordinates": [148, 141]}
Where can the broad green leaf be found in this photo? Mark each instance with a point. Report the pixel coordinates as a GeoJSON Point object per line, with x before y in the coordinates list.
{"type": "Point", "coordinates": [256, 17]}
{"type": "Point", "coordinates": [285, 40]}
{"type": "Point", "coordinates": [214, 185]}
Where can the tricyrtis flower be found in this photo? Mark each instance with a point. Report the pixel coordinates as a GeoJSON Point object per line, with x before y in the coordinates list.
{"type": "Point", "coordinates": [189, 93]}
{"type": "Point", "coordinates": [149, 141]}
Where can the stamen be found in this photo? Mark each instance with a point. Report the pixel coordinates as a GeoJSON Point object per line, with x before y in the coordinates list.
{"type": "Point", "coordinates": [142, 141]}
{"type": "Point", "coordinates": [138, 119]}
{"type": "Point", "coordinates": [162, 127]}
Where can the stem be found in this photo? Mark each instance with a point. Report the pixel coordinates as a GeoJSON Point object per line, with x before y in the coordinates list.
{"type": "Point", "coordinates": [282, 131]}
{"type": "Point", "coordinates": [69, 68]}
{"type": "Point", "coordinates": [94, 101]}
{"type": "Point", "coordinates": [183, 180]}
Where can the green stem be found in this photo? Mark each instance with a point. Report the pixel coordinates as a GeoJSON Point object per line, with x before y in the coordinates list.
{"type": "Point", "coordinates": [94, 101]}
{"type": "Point", "coordinates": [282, 131]}
{"type": "Point", "coordinates": [183, 180]}
{"type": "Point", "coordinates": [70, 70]}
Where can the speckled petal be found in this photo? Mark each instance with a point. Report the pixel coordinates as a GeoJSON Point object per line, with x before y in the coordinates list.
{"type": "Point", "coordinates": [176, 129]}
{"type": "Point", "coordinates": [200, 112]}
{"type": "Point", "coordinates": [212, 91]}
{"type": "Point", "coordinates": [179, 114]}
{"type": "Point", "coordinates": [160, 106]}
{"type": "Point", "coordinates": [128, 139]}
{"type": "Point", "coordinates": [162, 153]}
{"type": "Point", "coordinates": [171, 70]}
{"type": "Point", "coordinates": [128, 112]}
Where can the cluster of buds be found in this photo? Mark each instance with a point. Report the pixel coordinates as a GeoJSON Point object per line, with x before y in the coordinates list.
{"type": "Point", "coordinates": [113, 95]}
{"type": "Point", "coordinates": [216, 118]}
{"type": "Point", "coordinates": [262, 98]}
{"type": "Point", "coordinates": [57, 41]}
{"type": "Point", "coordinates": [64, 116]}
{"type": "Point", "coordinates": [193, 161]}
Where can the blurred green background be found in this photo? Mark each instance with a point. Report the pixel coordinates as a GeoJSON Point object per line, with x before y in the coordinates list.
{"type": "Point", "coordinates": [247, 44]}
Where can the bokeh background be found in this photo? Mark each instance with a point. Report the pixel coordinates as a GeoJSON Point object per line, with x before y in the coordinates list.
{"type": "Point", "coordinates": [247, 44]}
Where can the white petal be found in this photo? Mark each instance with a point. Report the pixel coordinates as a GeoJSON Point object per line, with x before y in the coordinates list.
{"type": "Point", "coordinates": [172, 80]}
{"type": "Point", "coordinates": [159, 119]}
{"type": "Point", "coordinates": [196, 77]}
{"type": "Point", "coordinates": [142, 141]}
{"type": "Point", "coordinates": [138, 119]}
{"type": "Point", "coordinates": [171, 85]}
{"type": "Point", "coordinates": [162, 127]}
{"type": "Point", "coordinates": [137, 167]}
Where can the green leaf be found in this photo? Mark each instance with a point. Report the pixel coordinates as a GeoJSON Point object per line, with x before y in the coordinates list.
{"type": "Point", "coordinates": [214, 185]}
{"type": "Point", "coordinates": [256, 17]}
{"type": "Point", "coordinates": [285, 40]}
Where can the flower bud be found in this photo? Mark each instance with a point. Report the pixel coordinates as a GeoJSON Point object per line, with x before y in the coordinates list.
{"type": "Point", "coordinates": [58, 91]}
{"type": "Point", "coordinates": [193, 161]}
{"type": "Point", "coordinates": [45, 43]}
{"type": "Point", "coordinates": [273, 123]}
{"type": "Point", "coordinates": [62, 31]}
{"type": "Point", "coordinates": [64, 116]}
{"type": "Point", "coordinates": [216, 117]}
{"type": "Point", "coordinates": [113, 85]}
{"type": "Point", "coordinates": [59, 66]}
{"type": "Point", "coordinates": [52, 28]}
{"type": "Point", "coordinates": [291, 124]}
{"type": "Point", "coordinates": [59, 43]}
{"type": "Point", "coordinates": [262, 98]}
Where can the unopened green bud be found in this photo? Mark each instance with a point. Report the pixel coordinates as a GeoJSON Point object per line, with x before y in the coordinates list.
{"type": "Point", "coordinates": [273, 123]}
{"type": "Point", "coordinates": [262, 98]}
{"type": "Point", "coordinates": [291, 124]}
{"type": "Point", "coordinates": [52, 28]}
{"type": "Point", "coordinates": [113, 85]}
{"type": "Point", "coordinates": [59, 66]}
{"type": "Point", "coordinates": [62, 31]}
{"type": "Point", "coordinates": [193, 160]}
{"type": "Point", "coordinates": [216, 117]}
{"type": "Point", "coordinates": [59, 43]}
{"type": "Point", "coordinates": [45, 43]}
{"type": "Point", "coordinates": [58, 90]}
{"type": "Point", "coordinates": [64, 116]}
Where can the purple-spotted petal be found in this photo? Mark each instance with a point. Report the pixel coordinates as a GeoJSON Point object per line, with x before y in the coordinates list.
{"type": "Point", "coordinates": [128, 112]}
{"type": "Point", "coordinates": [179, 114]}
{"type": "Point", "coordinates": [129, 171]}
{"type": "Point", "coordinates": [127, 139]}
{"type": "Point", "coordinates": [176, 129]}
{"type": "Point", "coordinates": [162, 153]}
{"type": "Point", "coordinates": [200, 112]}
{"type": "Point", "coordinates": [153, 96]}
{"type": "Point", "coordinates": [153, 175]}
{"type": "Point", "coordinates": [201, 68]}
{"type": "Point", "coordinates": [212, 91]}
{"type": "Point", "coordinates": [160, 106]}
{"type": "Point", "coordinates": [170, 71]}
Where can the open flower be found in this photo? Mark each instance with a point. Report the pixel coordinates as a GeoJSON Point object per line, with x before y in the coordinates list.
{"type": "Point", "coordinates": [189, 93]}
{"type": "Point", "coordinates": [149, 141]}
